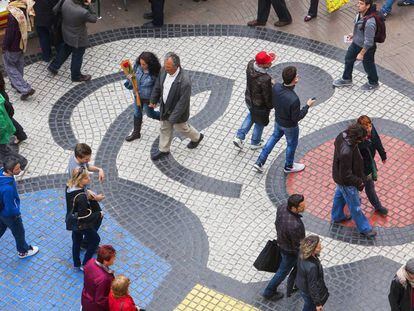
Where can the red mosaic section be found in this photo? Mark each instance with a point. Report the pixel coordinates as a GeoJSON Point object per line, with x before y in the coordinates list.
{"type": "Point", "coordinates": [395, 185]}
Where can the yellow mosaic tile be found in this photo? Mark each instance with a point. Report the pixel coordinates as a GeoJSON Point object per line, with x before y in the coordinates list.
{"type": "Point", "coordinates": [202, 298]}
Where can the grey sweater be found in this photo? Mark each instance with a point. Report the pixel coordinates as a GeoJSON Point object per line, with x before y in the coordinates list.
{"type": "Point", "coordinates": [364, 38]}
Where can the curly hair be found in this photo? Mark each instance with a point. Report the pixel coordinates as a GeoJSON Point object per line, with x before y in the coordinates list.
{"type": "Point", "coordinates": [152, 61]}
{"type": "Point", "coordinates": [308, 246]}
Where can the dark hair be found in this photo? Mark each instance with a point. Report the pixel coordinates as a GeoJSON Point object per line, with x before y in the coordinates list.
{"type": "Point", "coordinates": [82, 150]}
{"type": "Point", "coordinates": [152, 61]}
{"type": "Point", "coordinates": [295, 199]}
{"type": "Point", "coordinates": [288, 74]}
{"type": "Point", "coordinates": [10, 163]}
{"type": "Point", "coordinates": [105, 253]}
{"type": "Point", "coordinates": [356, 132]}
{"type": "Point", "coordinates": [2, 83]}
{"type": "Point", "coordinates": [372, 6]}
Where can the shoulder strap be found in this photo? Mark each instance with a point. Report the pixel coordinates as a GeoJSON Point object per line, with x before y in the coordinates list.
{"type": "Point", "coordinates": [73, 207]}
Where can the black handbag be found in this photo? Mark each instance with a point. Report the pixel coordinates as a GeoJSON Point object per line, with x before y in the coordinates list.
{"type": "Point", "coordinates": [72, 218]}
{"type": "Point", "coordinates": [269, 258]}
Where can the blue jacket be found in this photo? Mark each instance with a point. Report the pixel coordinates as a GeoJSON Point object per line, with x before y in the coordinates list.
{"type": "Point", "coordinates": [145, 82]}
{"type": "Point", "coordinates": [9, 196]}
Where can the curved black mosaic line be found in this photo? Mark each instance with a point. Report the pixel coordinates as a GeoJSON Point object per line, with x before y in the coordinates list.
{"type": "Point", "coordinates": [276, 186]}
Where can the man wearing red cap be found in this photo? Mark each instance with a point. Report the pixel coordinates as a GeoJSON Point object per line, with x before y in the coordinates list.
{"type": "Point", "coordinates": [258, 98]}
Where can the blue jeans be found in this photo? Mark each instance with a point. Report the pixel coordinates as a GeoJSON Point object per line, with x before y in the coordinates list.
{"type": "Point", "coordinates": [245, 128]}
{"type": "Point", "coordinates": [77, 58]}
{"type": "Point", "coordinates": [308, 303]}
{"type": "Point", "coordinates": [349, 195]}
{"type": "Point", "coordinates": [288, 262]}
{"type": "Point", "coordinates": [292, 139]}
{"type": "Point", "coordinates": [368, 62]}
{"type": "Point", "coordinates": [150, 112]}
{"type": "Point", "coordinates": [15, 224]}
{"type": "Point", "coordinates": [93, 241]}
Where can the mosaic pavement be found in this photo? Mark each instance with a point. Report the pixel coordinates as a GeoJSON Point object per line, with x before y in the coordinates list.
{"type": "Point", "coordinates": [189, 227]}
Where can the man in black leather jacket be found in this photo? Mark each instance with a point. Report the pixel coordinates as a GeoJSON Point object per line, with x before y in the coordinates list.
{"type": "Point", "coordinates": [290, 231]}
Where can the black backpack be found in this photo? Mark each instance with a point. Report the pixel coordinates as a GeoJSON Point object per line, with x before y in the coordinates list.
{"type": "Point", "coordinates": [381, 32]}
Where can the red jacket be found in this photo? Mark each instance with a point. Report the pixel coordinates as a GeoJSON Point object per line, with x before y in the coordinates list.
{"type": "Point", "coordinates": [125, 303]}
{"type": "Point", "coordinates": [96, 286]}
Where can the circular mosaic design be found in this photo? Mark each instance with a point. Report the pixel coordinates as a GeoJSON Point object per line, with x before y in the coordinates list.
{"type": "Point", "coordinates": [395, 185]}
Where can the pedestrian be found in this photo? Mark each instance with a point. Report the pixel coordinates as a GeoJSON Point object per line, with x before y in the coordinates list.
{"type": "Point", "coordinates": [401, 294]}
{"type": "Point", "coordinates": [310, 278]}
{"type": "Point", "coordinates": [20, 134]}
{"type": "Point", "coordinates": [348, 174]}
{"type": "Point", "coordinates": [75, 15]}
{"type": "Point", "coordinates": [362, 48]}
{"type": "Point", "coordinates": [119, 298]}
{"type": "Point", "coordinates": [79, 202]}
{"type": "Point", "coordinates": [156, 15]}
{"type": "Point", "coordinates": [290, 231]}
{"type": "Point", "coordinates": [287, 116]}
{"type": "Point", "coordinates": [263, 11]}
{"type": "Point", "coordinates": [172, 90]}
{"type": "Point", "coordinates": [15, 44]}
{"type": "Point", "coordinates": [313, 10]}
{"type": "Point", "coordinates": [10, 215]}
{"type": "Point", "coordinates": [387, 6]}
{"type": "Point", "coordinates": [368, 147]}
{"type": "Point", "coordinates": [147, 68]}
{"type": "Point", "coordinates": [81, 158]}
{"type": "Point", "coordinates": [97, 280]}
{"type": "Point", "coordinates": [258, 97]}
{"type": "Point", "coordinates": [44, 20]}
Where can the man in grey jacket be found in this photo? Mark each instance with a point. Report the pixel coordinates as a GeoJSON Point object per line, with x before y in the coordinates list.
{"type": "Point", "coordinates": [75, 15]}
{"type": "Point", "coordinates": [362, 48]}
{"type": "Point", "coordinates": [172, 90]}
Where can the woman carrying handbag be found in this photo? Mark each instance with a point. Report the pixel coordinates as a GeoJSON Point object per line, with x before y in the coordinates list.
{"type": "Point", "coordinates": [82, 215]}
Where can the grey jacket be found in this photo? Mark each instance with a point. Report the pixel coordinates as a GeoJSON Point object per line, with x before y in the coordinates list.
{"type": "Point", "coordinates": [364, 38]}
{"type": "Point", "coordinates": [74, 19]}
{"type": "Point", "coordinates": [177, 108]}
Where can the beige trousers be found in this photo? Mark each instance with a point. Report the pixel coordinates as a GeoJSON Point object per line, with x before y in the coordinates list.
{"type": "Point", "coordinates": [166, 133]}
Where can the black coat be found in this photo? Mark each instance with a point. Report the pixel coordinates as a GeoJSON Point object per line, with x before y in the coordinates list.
{"type": "Point", "coordinates": [177, 108]}
{"type": "Point", "coordinates": [89, 214]}
{"type": "Point", "coordinates": [400, 295]}
{"type": "Point", "coordinates": [44, 14]}
{"type": "Point", "coordinates": [258, 94]}
{"type": "Point", "coordinates": [310, 280]}
{"type": "Point", "coordinates": [368, 150]}
{"type": "Point", "coordinates": [290, 230]}
{"type": "Point", "coordinates": [348, 165]}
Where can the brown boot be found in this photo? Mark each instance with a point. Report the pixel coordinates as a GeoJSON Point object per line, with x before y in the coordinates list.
{"type": "Point", "coordinates": [282, 23]}
{"type": "Point", "coordinates": [255, 23]}
{"type": "Point", "coordinates": [136, 133]}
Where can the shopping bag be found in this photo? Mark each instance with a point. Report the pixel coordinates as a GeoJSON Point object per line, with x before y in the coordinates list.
{"type": "Point", "coordinates": [269, 258]}
{"type": "Point", "coordinates": [333, 5]}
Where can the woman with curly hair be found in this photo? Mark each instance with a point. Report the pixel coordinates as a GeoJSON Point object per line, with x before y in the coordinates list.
{"type": "Point", "coordinates": [147, 67]}
{"type": "Point", "coordinates": [309, 278]}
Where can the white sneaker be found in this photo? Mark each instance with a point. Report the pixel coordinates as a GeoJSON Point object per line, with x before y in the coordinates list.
{"type": "Point", "coordinates": [258, 146]}
{"type": "Point", "coordinates": [238, 142]}
{"type": "Point", "coordinates": [258, 167]}
{"type": "Point", "coordinates": [297, 167]}
{"type": "Point", "coordinates": [31, 252]}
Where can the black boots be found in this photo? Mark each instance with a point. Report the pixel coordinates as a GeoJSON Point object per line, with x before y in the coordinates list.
{"type": "Point", "coordinates": [136, 133]}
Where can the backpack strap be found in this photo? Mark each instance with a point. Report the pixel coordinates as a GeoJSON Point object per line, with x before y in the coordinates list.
{"type": "Point", "coordinates": [73, 207]}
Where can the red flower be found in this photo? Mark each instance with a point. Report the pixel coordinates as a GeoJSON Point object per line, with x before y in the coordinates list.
{"type": "Point", "coordinates": [126, 64]}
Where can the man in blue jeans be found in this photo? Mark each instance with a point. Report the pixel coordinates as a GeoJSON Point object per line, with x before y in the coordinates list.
{"type": "Point", "coordinates": [362, 48]}
{"type": "Point", "coordinates": [387, 6]}
{"type": "Point", "coordinates": [287, 116]}
{"type": "Point", "coordinates": [348, 174]}
{"type": "Point", "coordinates": [290, 231]}
{"type": "Point", "coordinates": [10, 216]}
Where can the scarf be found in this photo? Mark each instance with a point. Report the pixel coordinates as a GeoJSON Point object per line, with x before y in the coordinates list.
{"type": "Point", "coordinates": [260, 69]}
{"type": "Point", "coordinates": [25, 23]}
{"type": "Point", "coordinates": [403, 277]}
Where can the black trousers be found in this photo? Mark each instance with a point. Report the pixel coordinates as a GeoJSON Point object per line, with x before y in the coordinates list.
{"type": "Point", "coordinates": [20, 133]}
{"type": "Point", "coordinates": [157, 8]}
{"type": "Point", "coordinates": [313, 9]}
{"type": "Point", "coordinates": [279, 6]}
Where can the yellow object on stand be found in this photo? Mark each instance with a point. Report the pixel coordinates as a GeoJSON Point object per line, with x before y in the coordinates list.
{"type": "Point", "coordinates": [333, 5]}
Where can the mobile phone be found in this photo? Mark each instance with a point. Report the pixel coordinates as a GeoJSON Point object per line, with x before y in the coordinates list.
{"type": "Point", "coordinates": [313, 98]}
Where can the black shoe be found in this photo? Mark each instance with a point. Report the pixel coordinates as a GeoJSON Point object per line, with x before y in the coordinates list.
{"type": "Point", "coordinates": [136, 133]}
{"type": "Point", "coordinates": [148, 15]}
{"type": "Point", "coordinates": [382, 211]}
{"type": "Point", "coordinates": [26, 96]}
{"type": "Point", "coordinates": [292, 291]}
{"type": "Point", "coordinates": [82, 78]}
{"type": "Point", "coordinates": [347, 218]}
{"type": "Point", "coordinates": [133, 136]}
{"type": "Point", "coordinates": [54, 72]}
{"type": "Point", "coordinates": [277, 296]}
{"type": "Point", "coordinates": [159, 155]}
{"type": "Point", "coordinates": [194, 144]}
{"type": "Point", "coordinates": [151, 25]}
{"type": "Point", "coordinates": [370, 234]}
